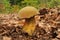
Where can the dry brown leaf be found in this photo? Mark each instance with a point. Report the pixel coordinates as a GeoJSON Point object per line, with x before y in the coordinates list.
{"type": "Point", "coordinates": [6, 38]}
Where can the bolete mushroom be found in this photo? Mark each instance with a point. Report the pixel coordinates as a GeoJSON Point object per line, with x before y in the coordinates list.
{"type": "Point", "coordinates": [28, 14]}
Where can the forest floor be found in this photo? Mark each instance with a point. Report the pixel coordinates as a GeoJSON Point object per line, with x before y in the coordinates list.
{"type": "Point", "coordinates": [48, 26]}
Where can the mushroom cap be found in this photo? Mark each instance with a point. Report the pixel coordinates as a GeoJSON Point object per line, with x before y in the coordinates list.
{"type": "Point", "coordinates": [28, 12]}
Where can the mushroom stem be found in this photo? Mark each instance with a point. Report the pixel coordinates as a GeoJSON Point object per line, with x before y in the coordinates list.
{"type": "Point", "coordinates": [29, 27]}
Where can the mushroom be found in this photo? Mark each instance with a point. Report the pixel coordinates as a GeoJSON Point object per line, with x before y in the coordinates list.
{"type": "Point", "coordinates": [28, 14]}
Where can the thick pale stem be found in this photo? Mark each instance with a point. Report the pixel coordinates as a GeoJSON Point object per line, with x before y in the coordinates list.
{"type": "Point", "coordinates": [29, 27]}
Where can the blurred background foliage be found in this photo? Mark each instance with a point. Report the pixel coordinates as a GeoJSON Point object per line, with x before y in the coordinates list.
{"type": "Point", "coordinates": [13, 6]}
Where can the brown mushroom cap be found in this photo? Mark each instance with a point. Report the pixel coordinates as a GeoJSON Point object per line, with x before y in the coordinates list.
{"type": "Point", "coordinates": [28, 12]}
